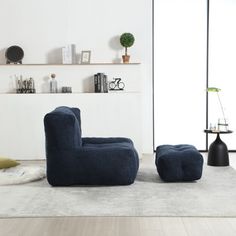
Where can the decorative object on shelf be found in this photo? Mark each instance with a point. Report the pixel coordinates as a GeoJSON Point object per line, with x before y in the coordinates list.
{"type": "Point", "coordinates": [85, 57]}
{"type": "Point", "coordinates": [116, 84]}
{"type": "Point", "coordinates": [14, 54]}
{"type": "Point", "coordinates": [66, 90]}
{"type": "Point", "coordinates": [69, 54]}
{"type": "Point", "coordinates": [100, 83]}
{"type": "Point", "coordinates": [53, 84]}
{"type": "Point", "coordinates": [25, 86]}
{"type": "Point", "coordinates": [222, 123]}
{"type": "Point", "coordinates": [126, 40]}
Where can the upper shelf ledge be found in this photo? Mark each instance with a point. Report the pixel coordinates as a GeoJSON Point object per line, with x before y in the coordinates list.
{"type": "Point", "coordinates": [91, 64]}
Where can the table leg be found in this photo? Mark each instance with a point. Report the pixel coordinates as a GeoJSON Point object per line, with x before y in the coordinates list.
{"type": "Point", "coordinates": [218, 153]}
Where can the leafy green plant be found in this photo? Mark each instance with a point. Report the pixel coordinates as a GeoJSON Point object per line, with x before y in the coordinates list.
{"type": "Point", "coordinates": [127, 40]}
{"type": "Point", "coordinates": [217, 90]}
{"type": "Point", "coordinates": [213, 89]}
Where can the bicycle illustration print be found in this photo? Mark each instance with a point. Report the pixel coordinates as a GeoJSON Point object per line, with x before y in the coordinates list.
{"type": "Point", "coordinates": [116, 84]}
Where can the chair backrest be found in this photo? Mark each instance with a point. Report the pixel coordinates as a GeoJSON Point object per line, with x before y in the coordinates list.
{"type": "Point", "coordinates": [63, 128]}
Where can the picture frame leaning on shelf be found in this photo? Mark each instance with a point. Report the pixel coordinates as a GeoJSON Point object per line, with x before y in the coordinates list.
{"type": "Point", "coordinates": [85, 57]}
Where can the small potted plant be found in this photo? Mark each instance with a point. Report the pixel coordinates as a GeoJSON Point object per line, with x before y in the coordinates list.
{"type": "Point", "coordinates": [126, 40]}
{"type": "Point", "coordinates": [221, 123]}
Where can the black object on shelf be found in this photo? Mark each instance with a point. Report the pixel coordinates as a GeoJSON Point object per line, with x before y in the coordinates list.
{"type": "Point", "coordinates": [66, 90]}
{"type": "Point", "coordinates": [218, 151]}
{"type": "Point", "coordinates": [116, 84]}
{"type": "Point", "coordinates": [25, 90]}
{"type": "Point", "coordinates": [14, 54]}
{"type": "Point", "coordinates": [100, 83]}
{"type": "Point", "coordinates": [25, 86]}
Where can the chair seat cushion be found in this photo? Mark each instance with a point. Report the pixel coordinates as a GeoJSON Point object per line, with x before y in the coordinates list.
{"type": "Point", "coordinates": [178, 162]}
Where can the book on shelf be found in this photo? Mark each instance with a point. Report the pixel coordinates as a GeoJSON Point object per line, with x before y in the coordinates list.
{"type": "Point", "coordinates": [96, 83]}
{"type": "Point", "coordinates": [105, 84]}
{"type": "Point", "coordinates": [100, 83]}
{"type": "Point", "coordinates": [69, 54]}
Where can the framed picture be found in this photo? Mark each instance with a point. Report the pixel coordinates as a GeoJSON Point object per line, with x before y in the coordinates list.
{"type": "Point", "coordinates": [85, 57]}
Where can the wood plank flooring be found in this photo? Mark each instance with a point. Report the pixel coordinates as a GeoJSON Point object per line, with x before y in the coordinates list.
{"type": "Point", "coordinates": [119, 226]}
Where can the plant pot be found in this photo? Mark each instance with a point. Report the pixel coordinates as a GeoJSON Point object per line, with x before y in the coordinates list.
{"type": "Point", "coordinates": [126, 58]}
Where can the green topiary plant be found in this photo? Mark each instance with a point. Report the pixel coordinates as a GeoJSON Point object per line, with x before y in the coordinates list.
{"type": "Point", "coordinates": [126, 40]}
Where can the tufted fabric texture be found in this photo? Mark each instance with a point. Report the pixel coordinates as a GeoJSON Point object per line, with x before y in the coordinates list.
{"type": "Point", "coordinates": [73, 160]}
{"type": "Point", "coordinates": [178, 163]}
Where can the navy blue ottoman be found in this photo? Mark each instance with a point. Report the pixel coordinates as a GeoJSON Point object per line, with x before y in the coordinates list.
{"type": "Point", "coordinates": [178, 163]}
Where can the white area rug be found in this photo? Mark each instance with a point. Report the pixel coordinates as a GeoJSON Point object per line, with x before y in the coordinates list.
{"type": "Point", "coordinates": [213, 195]}
{"type": "Point", "coordinates": [21, 174]}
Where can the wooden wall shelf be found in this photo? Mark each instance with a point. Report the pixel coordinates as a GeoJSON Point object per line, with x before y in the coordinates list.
{"type": "Point", "coordinates": [91, 64]}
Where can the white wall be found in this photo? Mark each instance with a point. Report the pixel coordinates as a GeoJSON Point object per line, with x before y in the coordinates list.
{"type": "Point", "coordinates": [41, 28]}
{"type": "Point", "coordinates": [22, 130]}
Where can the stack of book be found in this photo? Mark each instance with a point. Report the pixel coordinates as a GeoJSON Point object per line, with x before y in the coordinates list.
{"type": "Point", "coordinates": [100, 83]}
{"type": "Point", "coordinates": [69, 54]}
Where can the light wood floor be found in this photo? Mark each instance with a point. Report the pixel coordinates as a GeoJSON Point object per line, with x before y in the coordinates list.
{"type": "Point", "coordinates": [120, 226]}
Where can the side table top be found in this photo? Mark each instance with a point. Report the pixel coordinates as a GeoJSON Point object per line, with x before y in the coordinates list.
{"type": "Point", "coordinates": [209, 131]}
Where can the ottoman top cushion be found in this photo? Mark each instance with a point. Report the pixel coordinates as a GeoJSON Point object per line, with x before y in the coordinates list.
{"type": "Point", "coordinates": [176, 150]}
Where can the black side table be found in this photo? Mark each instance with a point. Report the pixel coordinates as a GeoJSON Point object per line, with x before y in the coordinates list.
{"type": "Point", "coordinates": [218, 151]}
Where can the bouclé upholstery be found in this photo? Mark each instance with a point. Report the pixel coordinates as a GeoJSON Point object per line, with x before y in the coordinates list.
{"type": "Point", "coordinates": [73, 160]}
{"type": "Point", "coordinates": [178, 163]}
